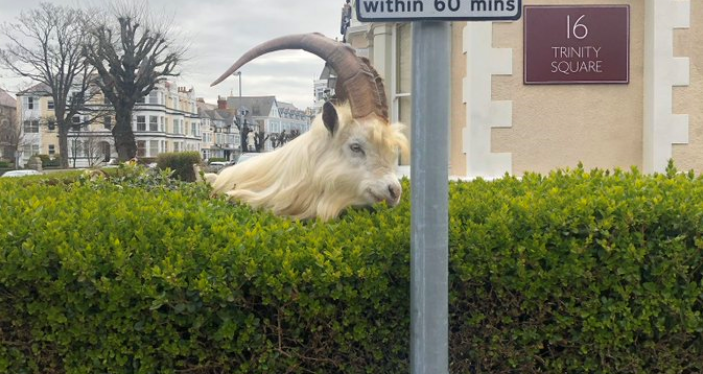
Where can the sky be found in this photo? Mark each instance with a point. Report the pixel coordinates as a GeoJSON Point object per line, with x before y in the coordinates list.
{"type": "Point", "coordinates": [217, 32]}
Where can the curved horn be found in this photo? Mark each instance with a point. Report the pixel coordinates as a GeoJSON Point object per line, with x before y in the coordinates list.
{"type": "Point", "coordinates": [359, 82]}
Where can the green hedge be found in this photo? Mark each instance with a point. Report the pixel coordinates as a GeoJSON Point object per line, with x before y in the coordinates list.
{"type": "Point", "coordinates": [181, 163]}
{"type": "Point", "coordinates": [575, 272]}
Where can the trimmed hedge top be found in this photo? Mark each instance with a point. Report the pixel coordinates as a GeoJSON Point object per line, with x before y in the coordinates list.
{"type": "Point", "coordinates": [573, 272]}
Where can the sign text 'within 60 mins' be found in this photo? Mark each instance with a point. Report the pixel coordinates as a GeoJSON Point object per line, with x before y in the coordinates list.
{"type": "Point", "coordinates": [455, 10]}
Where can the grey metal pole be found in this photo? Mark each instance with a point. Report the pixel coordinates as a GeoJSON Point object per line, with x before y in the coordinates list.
{"type": "Point", "coordinates": [429, 345]}
{"type": "Point", "coordinates": [240, 117]}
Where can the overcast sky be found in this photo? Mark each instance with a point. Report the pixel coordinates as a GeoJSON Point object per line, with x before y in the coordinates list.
{"type": "Point", "coordinates": [219, 31]}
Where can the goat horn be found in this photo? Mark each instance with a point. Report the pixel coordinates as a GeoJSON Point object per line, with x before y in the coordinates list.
{"type": "Point", "coordinates": [357, 81]}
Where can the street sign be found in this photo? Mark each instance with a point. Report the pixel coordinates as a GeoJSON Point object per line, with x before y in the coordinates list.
{"type": "Point", "coordinates": [438, 10]}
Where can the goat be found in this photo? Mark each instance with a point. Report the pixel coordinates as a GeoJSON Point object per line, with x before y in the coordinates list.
{"type": "Point", "coordinates": [348, 158]}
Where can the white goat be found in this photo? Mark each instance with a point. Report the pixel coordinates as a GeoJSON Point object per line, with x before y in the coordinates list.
{"type": "Point", "coordinates": [348, 158]}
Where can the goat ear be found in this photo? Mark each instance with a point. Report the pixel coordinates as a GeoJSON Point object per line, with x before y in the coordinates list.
{"type": "Point", "coordinates": [330, 118]}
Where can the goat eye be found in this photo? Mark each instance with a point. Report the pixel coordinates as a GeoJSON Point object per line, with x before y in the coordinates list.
{"type": "Point", "coordinates": [356, 148]}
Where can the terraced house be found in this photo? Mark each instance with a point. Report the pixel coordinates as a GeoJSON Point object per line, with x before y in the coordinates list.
{"type": "Point", "coordinates": [166, 120]}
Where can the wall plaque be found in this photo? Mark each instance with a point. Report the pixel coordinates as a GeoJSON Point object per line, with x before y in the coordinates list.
{"type": "Point", "coordinates": [577, 44]}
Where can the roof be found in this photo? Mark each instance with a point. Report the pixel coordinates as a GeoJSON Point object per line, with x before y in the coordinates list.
{"type": "Point", "coordinates": [7, 100]}
{"type": "Point", "coordinates": [202, 105]}
{"type": "Point", "coordinates": [258, 106]}
{"type": "Point", "coordinates": [220, 115]}
{"type": "Point", "coordinates": [40, 88]}
{"type": "Point", "coordinates": [288, 106]}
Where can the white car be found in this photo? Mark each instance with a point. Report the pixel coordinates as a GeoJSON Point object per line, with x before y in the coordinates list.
{"type": "Point", "coordinates": [21, 173]}
{"type": "Point", "coordinates": [219, 163]}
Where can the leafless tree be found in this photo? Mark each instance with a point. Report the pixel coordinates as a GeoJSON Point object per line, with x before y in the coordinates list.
{"type": "Point", "coordinates": [131, 54]}
{"type": "Point", "coordinates": [93, 150]}
{"type": "Point", "coordinates": [260, 138]}
{"type": "Point", "coordinates": [45, 46]}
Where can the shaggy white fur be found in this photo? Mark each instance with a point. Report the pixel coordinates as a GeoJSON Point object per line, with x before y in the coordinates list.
{"type": "Point", "coordinates": [322, 172]}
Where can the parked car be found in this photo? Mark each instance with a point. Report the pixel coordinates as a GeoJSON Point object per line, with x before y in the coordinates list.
{"type": "Point", "coordinates": [21, 173]}
{"type": "Point", "coordinates": [219, 163]}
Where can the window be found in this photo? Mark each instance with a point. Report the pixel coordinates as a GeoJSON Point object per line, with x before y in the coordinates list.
{"type": "Point", "coordinates": [30, 102]}
{"type": "Point", "coordinates": [76, 123]}
{"type": "Point", "coordinates": [87, 149]}
{"type": "Point", "coordinates": [52, 149]}
{"type": "Point", "coordinates": [30, 149]}
{"type": "Point", "coordinates": [194, 129]}
{"type": "Point", "coordinates": [154, 148]}
{"type": "Point", "coordinates": [31, 126]}
{"type": "Point", "coordinates": [141, 148]}
{"type": "Point", "coordinates": [154, 97]}
{"type": "Point", "coordinates": [153, 123]}
{"type": "Point", "coordinates": [141, 123]}
{"type": "Point", "coordinates": [161, 124]}
{"type": "Point", "coordinates": [176, 146]}
{"type": "Point", "coordinates": [107, 121]}
{"type": "Point", "coordinates": [51, 105]}
{"type": "Point", "coordinates": [52, 125]}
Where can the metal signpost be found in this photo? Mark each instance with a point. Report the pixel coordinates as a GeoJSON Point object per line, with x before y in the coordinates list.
{"type": "Point", "coordinates": [429, 320]}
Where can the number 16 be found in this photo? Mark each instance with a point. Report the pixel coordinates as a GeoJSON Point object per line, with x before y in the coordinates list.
{"type": "Point", "coordinates": [577, 26]}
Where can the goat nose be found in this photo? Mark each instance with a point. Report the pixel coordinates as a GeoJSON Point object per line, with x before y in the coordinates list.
{"type": "Point", "coordinates": [394, 190]}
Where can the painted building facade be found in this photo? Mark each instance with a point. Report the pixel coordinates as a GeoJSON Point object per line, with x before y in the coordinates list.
{"type": "Point", "coordinates": [166, 120]}
{"type": "Point", "coordinates": [501, 124]}
{"type": "Point", "coordinates": [221, 138]}
{"type": "Point", "coordinates": [265, 113]}
{"type": "Point", "coordinates": [9, 128]}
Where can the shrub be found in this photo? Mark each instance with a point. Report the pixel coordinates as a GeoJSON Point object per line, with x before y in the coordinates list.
{"type": "Point", "coordinates": [4, 165]}
{"type": "Point", "coordinates": [589, 272]}
{"type": "Point", "coordinates": [217, 159]}
{"type": "Point", "coordinates": [181, 163]}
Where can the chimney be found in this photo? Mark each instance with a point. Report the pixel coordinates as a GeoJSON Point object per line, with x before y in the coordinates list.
{"type": "Point", "coordinates": [221, 103]}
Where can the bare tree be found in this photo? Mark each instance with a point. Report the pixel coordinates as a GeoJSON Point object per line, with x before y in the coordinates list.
{"type": "Point", "coordinates": [93, 150]}
{"type": "Point", "coordinates": [131, 56]}
{"type": "Point", "coordinates": [260, 138]}
{"type": "Point", "coordinates": [45, 46]}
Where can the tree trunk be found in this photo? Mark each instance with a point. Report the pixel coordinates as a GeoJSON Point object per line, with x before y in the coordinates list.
{"type": "Point", "coordinates": [243, 137]}
{"type": "Point", "coordinates": [124, 136]}
{"type": "Point", "coordinates": [63, 145]}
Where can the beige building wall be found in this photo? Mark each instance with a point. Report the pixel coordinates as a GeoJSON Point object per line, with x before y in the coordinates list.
{"type": "Point", "coordinates": [689, 100]}
{"type": "Point", "coordinates": [457, 157]}
{"type": "Point", "coordinates": [543, 127]}
{"type": "Point", "coordinates": [557, 126]}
